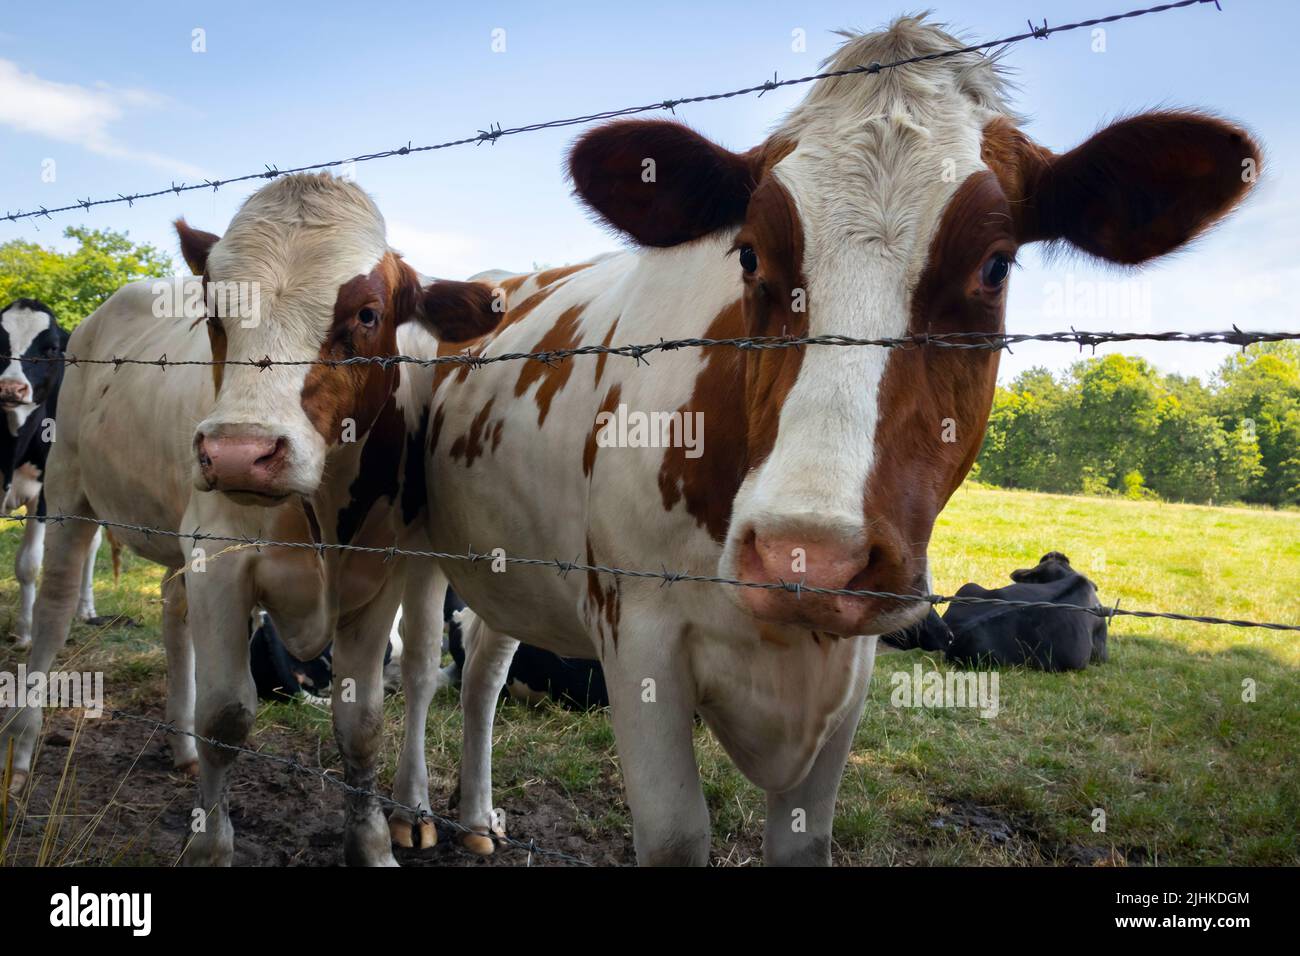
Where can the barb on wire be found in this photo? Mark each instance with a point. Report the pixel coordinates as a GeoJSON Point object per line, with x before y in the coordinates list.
{"type": "Point", "coordinates": [962, 341]}
{"type": "Point", "coordinates": [567, 567]}
{"type": "Point", "coordinates": [319, 772]}
{"type": "Point", "coordinates": [495, 132]}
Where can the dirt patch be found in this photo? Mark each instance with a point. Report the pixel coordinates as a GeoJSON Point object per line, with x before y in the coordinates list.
{"type": "Point", "coordinates": [123, 805]}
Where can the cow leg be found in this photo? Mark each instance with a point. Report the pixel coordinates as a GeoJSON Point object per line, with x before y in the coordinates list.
{"type": "Point", "coordinates": [220, 600]}
{"type": "Point", "coordinates": [86, 602]}
{"type": "Point", "coordinates": [652, 702]}
{"type": "Point", "coordinates": [27, 566]}
{"type": "Point", "coordinates": [798, 827]}
{"type": "Point", "coordinates": [358, 706]}
{"type": "Point", "coordinates": [421, 652]}
{"type": "Point", "coordinates": [487, 660]}
{"type": "Point", "coordinates": [55, 604]}
{"type": "Point", "coordinates": [180, 672]}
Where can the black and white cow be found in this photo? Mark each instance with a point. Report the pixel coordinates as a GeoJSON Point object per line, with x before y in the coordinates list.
{"type": "Point", "coordinates": [30, 341]}
{"type": "Point", "coordinates": [1052, 639]}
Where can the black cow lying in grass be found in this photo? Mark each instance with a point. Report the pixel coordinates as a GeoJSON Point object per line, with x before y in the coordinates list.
{"type": "Point", "coordinates": [1051, 639]}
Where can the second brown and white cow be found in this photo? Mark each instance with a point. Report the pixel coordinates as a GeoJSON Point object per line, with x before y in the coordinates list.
{"type": "Point", "coordinates": [883, 205]}
{"type": "Point", "coordinates": [295, 451]}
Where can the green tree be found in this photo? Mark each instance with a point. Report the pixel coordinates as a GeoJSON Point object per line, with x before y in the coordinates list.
{"type": "Point", "coordinates": [76, 283]}
{"type": "Point", "coordinates": [1259, 394]}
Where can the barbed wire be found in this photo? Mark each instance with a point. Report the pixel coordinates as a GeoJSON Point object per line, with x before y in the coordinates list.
{"type": "Point", "coordinates": [985, 341]}
{"type": "Point", "coordinates": [494, 131]}
{"type": "Point", "coordinates": [564, 568]}
{"type": "Point", "coordinates": [419, 813]}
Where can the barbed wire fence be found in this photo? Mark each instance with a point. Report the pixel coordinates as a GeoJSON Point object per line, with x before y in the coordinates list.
{"type": "Point", "coordinates": [640, 354]}
{"type": "Point", "coordinates": [494, 131]}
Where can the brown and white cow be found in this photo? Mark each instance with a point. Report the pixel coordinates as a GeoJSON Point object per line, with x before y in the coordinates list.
{"type": "Point", "coordinates": [883, 205]}
{"type": "Point", "coordinates": [289, 452]}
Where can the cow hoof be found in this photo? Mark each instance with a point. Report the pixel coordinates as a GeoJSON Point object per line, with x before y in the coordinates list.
{"type": "Point", "coordinates": [480, 844]}
{"type": "Point", "coordinates": [413, 836]}
{"type": "Point", "coordinates": [17, 782]}
{"type": "Point", "coordinates": [189, 768]}
{"type": "Point", "coordinates": [400, 832]}
{"type": "Point", "coordinates": [427, 835]}
{"type": "Point", "coordinates": [22, 642]}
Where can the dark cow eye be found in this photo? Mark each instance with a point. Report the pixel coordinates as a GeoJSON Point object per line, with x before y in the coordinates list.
{"type": "Point", "coordinates": [368, 317]}
{"type": "Point", "coordinates": [748, 260]}
{"type": "Point", "coordinates": [995, 270]}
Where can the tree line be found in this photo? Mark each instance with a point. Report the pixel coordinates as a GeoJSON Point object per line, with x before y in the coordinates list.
{"type": "Point", "coordinates": [1118, 426]}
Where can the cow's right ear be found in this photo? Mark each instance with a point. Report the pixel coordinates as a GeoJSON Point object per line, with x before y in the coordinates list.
{"type": "Point", "coordinates": [459, 311]}
{"type": "Point", "coordinates": [195, 246]}
{"type": "Point", "coordinates": [660, 182]}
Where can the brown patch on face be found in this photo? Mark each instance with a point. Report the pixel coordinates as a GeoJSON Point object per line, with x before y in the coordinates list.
{"type": "Point", "coordinates": [563, 334]}
{"type": "Point", "coordinates": [332, 394]}
{"type": "Point", "coordinates": [930, 393]}
{"type": "Point", "coordinates": [471, 444]}
{"type": "Point", "coordinates": [590, 448]}
{"type": "Point", "coordinates": [742, 433]}
{"type": "Point", "coordinates": [218, 343]}
{"type": "Point", "coordinates": [546, 277]}
{"type": "Point", "coordinates": [774, 232]}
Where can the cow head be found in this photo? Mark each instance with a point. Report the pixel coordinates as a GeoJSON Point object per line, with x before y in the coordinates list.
{"type": "Point", "coordinates": [1053, 566]}
{"type": "Point", "coordinates": [304, 273]}
{"type": "Point", "coordinates": [30, 337]}
{"type": "Point", "coordinates": [887, 205]}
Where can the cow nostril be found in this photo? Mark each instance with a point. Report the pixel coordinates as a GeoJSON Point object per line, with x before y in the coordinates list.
{"type": "Point", "coordinates": [277, 451]}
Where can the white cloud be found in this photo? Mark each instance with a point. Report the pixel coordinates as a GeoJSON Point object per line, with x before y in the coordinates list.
{"type": "Point", "coordinates": [79, 115]}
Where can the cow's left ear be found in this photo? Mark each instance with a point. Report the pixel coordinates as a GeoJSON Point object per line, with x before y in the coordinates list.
{"type": "Point", "coordinates": [195, 246]}
{"type": "Point", "coordinates": [1137, 189]}
{"type": "Point", "coordinates": [458, 311]}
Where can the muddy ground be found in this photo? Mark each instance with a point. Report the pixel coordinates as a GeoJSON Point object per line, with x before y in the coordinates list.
{"type": "Point", "coordinates": [122, 804]}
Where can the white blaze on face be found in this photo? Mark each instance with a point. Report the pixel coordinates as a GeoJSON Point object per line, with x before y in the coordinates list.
{"type": "Point", "coordinates": [869, 196]}
{"type": "Point", "coordinates": [295, 246]}
{"type": "Point", "coordinates": [22, 326]}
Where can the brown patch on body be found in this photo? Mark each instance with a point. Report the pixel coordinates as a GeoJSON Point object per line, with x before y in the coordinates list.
{"type": "Point", "coordinates": [708, 484]}
{"type": "Point", "coordinates": [547, 276]}
{"type": "Point", "coordinates": [471, 444]}
{"type": "Point", "coordinates": [600, 358]}
{"type": "Point", "coordinates": [563, 334]}
{"type": "Point", "coordinates": [590, 448]}
{"type": "Point", "coordinates": [604, 603]}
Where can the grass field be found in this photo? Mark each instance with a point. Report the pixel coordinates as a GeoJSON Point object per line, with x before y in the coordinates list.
{"type": "Point", "coordinates": [1159, 739]}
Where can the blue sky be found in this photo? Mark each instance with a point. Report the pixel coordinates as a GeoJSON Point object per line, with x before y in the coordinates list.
{"type": "Point", "coordinates": [122, 103]}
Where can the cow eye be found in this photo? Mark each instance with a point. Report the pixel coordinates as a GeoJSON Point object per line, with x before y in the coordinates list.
{"type": "Point", "coordinates": [748, 260]}
{"type": "Point", "coordinates": [368, 317]}
{"type": "Point", "coordinates": [995, 270]}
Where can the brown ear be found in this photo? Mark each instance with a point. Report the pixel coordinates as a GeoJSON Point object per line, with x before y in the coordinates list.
{"type": "Point", "coordinates": [660, 182]}
{"type": "Point", "coordinates": [1138, 189]}
{"type": "Point", "coordinates": [459, 311]}
{"type": "Point", "coordinates": [195, 246]}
